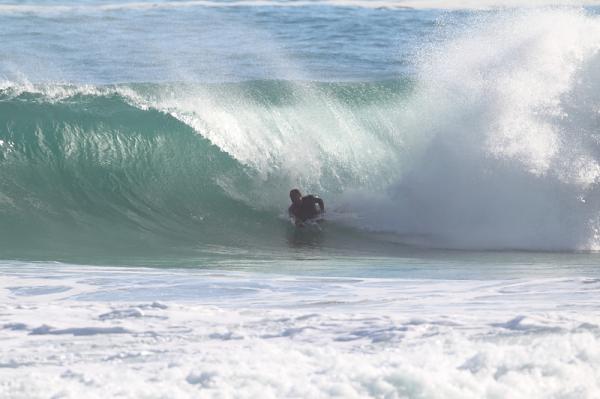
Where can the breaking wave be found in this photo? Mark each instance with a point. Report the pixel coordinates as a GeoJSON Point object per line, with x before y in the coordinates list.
{"type": "Point", "coordinates": [493, 145]}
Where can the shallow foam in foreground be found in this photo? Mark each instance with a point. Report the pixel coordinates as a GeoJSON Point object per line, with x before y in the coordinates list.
{"type": "Point", "coordinates": [184, 333]}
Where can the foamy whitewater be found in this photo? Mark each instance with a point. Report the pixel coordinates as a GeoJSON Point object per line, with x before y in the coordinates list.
{"type": "Point", "coordinates": [146, 153]}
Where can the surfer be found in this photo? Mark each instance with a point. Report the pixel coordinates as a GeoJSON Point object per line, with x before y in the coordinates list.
{"type": "Point", "coordinates": [304, 208]}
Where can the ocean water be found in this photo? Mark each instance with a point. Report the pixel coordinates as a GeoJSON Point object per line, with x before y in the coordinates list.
{"type": "Point", "coordinates": [146, 153]}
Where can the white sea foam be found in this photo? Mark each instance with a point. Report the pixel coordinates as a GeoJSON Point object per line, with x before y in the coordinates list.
{"type": "Point", "coordinates": [223, 334]}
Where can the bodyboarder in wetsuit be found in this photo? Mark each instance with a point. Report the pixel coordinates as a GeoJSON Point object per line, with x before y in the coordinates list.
{"type": "Point", "coordinates": [304, 208]}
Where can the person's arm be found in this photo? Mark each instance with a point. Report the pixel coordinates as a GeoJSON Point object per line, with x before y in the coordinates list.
{"type": "Point", "coordinates": [296, 220]}
{"type": "Point", "coordinates": [321, 204]}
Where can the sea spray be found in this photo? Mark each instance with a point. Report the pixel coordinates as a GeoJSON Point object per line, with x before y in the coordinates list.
{"type": "Point", "coordinates": [507, 109]}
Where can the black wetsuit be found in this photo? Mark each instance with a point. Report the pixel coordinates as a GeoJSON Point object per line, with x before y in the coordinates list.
{"type": "Point", "coordinates": [307, 210]}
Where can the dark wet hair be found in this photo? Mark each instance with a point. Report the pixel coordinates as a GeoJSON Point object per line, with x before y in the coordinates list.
{"type": "Point", "coordinates": [294, 192]}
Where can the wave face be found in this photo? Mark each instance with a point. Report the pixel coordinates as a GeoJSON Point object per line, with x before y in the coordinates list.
{"type": "Point", "coordinates": [137, 169]}
{"type": "Point", "coordinates": [493, 145]}
{"type": "Point", "coordinates": [90, 171]}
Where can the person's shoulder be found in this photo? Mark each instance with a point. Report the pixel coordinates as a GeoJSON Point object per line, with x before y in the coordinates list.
{"type": "Point", "coordinates": [312, 198]}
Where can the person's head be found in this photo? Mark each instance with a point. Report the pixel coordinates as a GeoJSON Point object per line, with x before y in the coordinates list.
{"type": "Point", "coordinates": [296, 196]}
